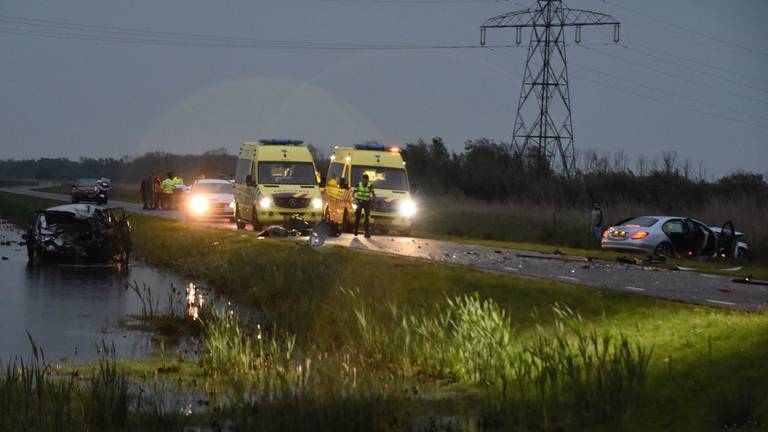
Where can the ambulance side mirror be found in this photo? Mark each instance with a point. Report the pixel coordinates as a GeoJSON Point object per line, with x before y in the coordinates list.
{"type": "Point", "coordinates": [343, 183]}
{"type": "Point", "coordinates": [322, 182]}
{"type": "Point", "coordinates": [249, 180]}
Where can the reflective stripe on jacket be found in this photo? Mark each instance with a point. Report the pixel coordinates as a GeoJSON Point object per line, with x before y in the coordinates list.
{"type": "Point", "coordinates": [363, 192]}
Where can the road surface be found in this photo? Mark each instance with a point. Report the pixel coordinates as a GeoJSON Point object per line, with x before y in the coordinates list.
{"type": "Point", "coordinates": [685, 286]}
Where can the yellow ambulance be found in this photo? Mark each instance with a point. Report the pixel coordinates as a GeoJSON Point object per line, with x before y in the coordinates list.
{"type": "Point", "coordinates": [392, 210]}
{"type": "Point", "coordinates": [276, 179]}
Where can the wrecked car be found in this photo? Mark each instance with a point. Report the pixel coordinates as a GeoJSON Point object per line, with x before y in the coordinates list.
{"type": "Point", "coordinates": [674, 236]}
{"type": "Point", "coordinates": [79, 233]}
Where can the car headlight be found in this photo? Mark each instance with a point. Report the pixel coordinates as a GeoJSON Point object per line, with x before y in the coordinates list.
{"type": "Point", "coordinates": [407, 208]}
{"type": "Point", "coordinates": [232, 205]}
{"type": "Point", "coordinates": [317, 203]}
{"type": "Point", "coordinates": [198, 204]}
{"type": "Point", "coordinates": [354, 206]}
{"type": "Point", "coordinates": [265, 202]}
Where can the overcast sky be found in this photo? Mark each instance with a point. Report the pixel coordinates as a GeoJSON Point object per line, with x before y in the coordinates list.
{"type": "Point", "coordinates": [689, 76]}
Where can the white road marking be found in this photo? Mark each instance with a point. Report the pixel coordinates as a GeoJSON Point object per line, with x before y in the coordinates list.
{"type": "Point", "coordinates": [709, 276]}
{"type": "Point", "coordinates": [511, 269]}
{"type": "Point", "coordinates": [631, 288]}
{"type": "Point", "coordinates": [568, 278]}
{"type": "Point", "coordinates": [722, 302]}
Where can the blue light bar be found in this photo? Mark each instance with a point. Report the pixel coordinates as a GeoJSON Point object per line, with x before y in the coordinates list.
{"type": "Point", "coordinates": [376, 147]}
{"type": "Point", "coordinates": [281, 141]}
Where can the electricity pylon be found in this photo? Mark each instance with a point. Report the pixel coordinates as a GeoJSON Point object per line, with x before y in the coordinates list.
{"type": "Point", "coordinates": [536, 132]}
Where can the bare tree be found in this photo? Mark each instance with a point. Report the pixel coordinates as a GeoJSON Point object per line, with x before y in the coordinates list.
{"type": "Point", "coordinates": [642, 163]}
{"type": "Point", "coordinates": [669, 163]}
{"type": "Point", "coordinates": [620, 161]}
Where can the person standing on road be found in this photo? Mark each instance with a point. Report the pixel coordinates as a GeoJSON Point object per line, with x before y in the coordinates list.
{"type": "Point", "coordinates": [146, 192]}
{"type": "Point", "coordinates": [157, 188]}
{"type": "Point", "coordinates": [595, 222]}
{"type": "Point", "coordinates": [167, 200]}
{"type": "Point", "coordinates": [364, 196]}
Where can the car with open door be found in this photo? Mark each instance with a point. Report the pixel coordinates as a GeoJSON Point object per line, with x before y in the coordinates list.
{"type": "Point", "coordinates": [674, 236]}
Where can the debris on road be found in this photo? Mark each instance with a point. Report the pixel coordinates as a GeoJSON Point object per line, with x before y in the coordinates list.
{"type": "Point", "coordinates": [750, 281]}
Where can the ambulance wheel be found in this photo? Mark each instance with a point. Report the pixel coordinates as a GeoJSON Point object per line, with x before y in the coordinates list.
{"type": "Point", "coordinates": [255, 221]}
{"type": "Point", "coordinates": [239, 222]}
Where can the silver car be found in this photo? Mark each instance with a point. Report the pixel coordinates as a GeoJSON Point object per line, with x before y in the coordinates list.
{"type": "Point", "coordinates": [675, 236]}
{"type": "Point", "coordinates": [210, 198]}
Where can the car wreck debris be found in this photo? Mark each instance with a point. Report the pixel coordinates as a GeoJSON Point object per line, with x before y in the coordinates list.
{"type": "Point", "coordinates": [79, 233]}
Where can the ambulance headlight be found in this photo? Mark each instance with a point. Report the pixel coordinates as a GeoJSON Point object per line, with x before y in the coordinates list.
{"type": "Point", "coordinates": [408, 209]}
{"type": "Point", "coordinates": [232, 205]}
{"type": "Point", "coordinates": [265, 202]}
{"type": "Point", "coordinates": [198, 204]}
{"type": "Point", "coordinates": [317, 203]}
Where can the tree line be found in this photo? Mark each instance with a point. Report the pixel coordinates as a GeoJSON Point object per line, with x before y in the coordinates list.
{"type": "Point", "coordinates": [485, 170]}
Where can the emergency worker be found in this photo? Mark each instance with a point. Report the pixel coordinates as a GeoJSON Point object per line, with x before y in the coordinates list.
{"type": "Point", "coordinates": [364, 196]}
{"type": "Point", "coordinates": [177, 180]}
{"type": "Point", "coordinates": [167, 185]}
{"type": "Point", "coordinates": [146, 192]}
{"type": "Point", "coordinates": [157, 186]}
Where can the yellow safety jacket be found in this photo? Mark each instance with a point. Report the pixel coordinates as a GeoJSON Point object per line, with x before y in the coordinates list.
{"type": "Point", "coordinates": [363, 192]}
{"type": "Point", "coordinates": [168, 186]}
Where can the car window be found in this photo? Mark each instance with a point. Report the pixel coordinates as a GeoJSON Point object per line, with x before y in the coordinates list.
{"type": "Point", "coordinates": [87, 182]}
{"type": "Point", "coordinates": [640, 221]}
{"type": "Point", "coordinates": [674, 226]}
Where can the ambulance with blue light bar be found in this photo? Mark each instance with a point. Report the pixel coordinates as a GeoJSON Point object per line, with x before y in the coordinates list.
{"type": "Point", "coordinates": [276, 179]}
{"type": "Point", "coordinates": [392, 210]}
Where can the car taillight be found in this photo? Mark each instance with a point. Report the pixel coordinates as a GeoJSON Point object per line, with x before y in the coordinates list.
{"type": "Point", "coordinates": [639, 235]}
{"type": "Point", "coordinates": [605, 234]}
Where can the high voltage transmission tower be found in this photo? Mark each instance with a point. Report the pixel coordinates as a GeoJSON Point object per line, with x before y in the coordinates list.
{"type": "Point", "coordinates": [543, 127]}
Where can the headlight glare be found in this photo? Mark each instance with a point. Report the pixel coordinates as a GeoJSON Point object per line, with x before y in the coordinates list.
{"type": "Point", "coordinates": [232, 205]}
{"type": "Point", "coordinates": [198, 204]}
{"type": "Point", "coordinates": [317, 203]}
{"type": "Point", "coordinates": [265, 202]}
{"type": "Point", "coordinates": [408, 208]}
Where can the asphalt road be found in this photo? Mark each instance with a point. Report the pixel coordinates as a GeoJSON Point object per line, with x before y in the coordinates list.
{"type": "Point", "coordinates": [685, 286]}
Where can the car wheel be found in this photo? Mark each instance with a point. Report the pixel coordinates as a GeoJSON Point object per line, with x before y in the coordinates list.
{"type": "Point", "coordinates": [238, 221]}
{"type": "Point", "coordinates": [254, 220]}
{"type": "Point", "coordinates": [665, 249]}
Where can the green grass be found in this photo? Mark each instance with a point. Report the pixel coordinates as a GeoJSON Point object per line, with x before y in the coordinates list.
{"type": "Point", "coordinates": [414, 336]}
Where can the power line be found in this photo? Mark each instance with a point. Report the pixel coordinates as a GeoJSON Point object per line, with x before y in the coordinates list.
{"type": "Point", "coordinates": [665, 102]}
{"type": "Point", "coordinates": [697, 62]}
{"type": "Point", "coordinates": [687, 30]}
{"type": "Point", "coordinates": [684, 79]}
{"type": "Point", "coordinates": [697, 70]}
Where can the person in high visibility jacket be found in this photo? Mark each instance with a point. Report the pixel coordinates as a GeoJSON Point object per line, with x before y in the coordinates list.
{"type": "Point", "coordinates": [364, 196]}
{"type": "Point", "coordinates": [167, 185]}
{"type": "Point", "coordinates": [177, 180]}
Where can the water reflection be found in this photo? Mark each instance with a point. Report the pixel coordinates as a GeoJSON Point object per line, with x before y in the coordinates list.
{"type": "Point", "coordinates": [67, 310]}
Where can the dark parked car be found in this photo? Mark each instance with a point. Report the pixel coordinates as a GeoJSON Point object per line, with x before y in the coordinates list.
{"type": "Point", "coordinates": [79, 233]}
{"type": "Point", "coordinates": [89, 189]}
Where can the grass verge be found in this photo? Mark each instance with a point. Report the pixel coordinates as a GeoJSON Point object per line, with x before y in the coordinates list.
{"type": "Point", "coordinates": [358, 338]}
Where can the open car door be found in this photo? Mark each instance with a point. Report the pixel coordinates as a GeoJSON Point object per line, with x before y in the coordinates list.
{"type": "Point", "coordinates": [678, 235]}
{"type": "Point", "coordinates": [726, 241]}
